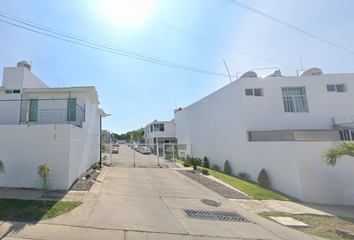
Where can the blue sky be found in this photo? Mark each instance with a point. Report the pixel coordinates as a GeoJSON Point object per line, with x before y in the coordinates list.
{"type": "Point", "coordinates": [136, 92]}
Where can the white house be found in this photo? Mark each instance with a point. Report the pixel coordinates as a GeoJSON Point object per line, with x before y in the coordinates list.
{"type": "Point", "coordinates": [162, 132]}
{"type": "Point", "coordinates": [106, 136]}
{"type": "Point", "coordinates": [282, 124]}
{"type": "Point", "coordinates": [59, 127]}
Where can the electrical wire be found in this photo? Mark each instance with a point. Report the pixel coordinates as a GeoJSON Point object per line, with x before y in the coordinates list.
{"type": "Point", "coordinates": [102, 47]}
{"type": "Point", "coordinates": [289, 25]}
{"type": "Point", "coordinates": [209, 41]}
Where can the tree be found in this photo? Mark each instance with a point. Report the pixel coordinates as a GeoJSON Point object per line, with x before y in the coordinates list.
{"type": "Point", "coordinates": [43, 182]}
{"type": "Point", "coordinates": [2, 167]}
{"type": "Point", "coordinates": [194, 162]}
{"type": "Point", "coordinates": [333, 154]}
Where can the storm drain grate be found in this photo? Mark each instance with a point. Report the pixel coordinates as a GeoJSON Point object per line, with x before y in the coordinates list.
{"type": "Point", "coordinates": [211, 215]}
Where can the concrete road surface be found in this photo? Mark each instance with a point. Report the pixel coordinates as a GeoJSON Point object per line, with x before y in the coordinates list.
{"type": "Point", "coordinates": [148, 203]}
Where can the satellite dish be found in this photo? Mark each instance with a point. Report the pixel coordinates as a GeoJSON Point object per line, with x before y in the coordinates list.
{"type": "Point", "coordinates": [249, 74]}
{"type": "Point", "coordinates": [312, 72]}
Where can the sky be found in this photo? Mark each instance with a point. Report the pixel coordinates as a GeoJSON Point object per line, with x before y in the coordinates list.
{"type": "Point", "coordinates": [122, 47]}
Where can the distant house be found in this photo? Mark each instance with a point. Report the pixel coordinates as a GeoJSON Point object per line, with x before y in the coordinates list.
{"type": "Point", "coordinates": [106, 136]}
{"type": "Point", "coordinates": [282, 124]}
{"type": "Point", "coordinates": [59, 127]}
{"type": "Point", "coordinates": [162, 132]}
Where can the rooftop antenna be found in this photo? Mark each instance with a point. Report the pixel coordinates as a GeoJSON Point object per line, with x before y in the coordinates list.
{"type": "Point", "coordinates": [302, 67]}
{"type": "Point", "coordinates": [176, 104]}
{"type": "Point", "coordinates": [227, 70]}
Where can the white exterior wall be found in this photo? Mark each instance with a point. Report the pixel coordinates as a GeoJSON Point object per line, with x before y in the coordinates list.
{"type": "Point", "coordinates": [23, 148]}
{"type": "Point", "coordinates": [217, 126]}
{"type": "Point", "coordinates": [267, 112]}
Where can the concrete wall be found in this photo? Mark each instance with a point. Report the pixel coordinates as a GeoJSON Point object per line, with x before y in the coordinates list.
{"type": "Point", "coordinates": [217, 126]}
{"type": "Point", "coordinates": [267, 112]}
{"type": "Point", "coordinates": [23, 148]}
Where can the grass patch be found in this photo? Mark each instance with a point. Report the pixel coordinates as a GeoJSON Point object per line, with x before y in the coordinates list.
{"type": "Point", "coordinates": [179, 161]}
{"type": "Point", "coordinates": [251, 189]}
{"type": "Point", "coordinates": [321, 226]}
{"type": "Point", "coordinates": [30, 210]}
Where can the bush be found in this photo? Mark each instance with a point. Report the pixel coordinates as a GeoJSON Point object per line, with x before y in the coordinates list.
{"type": "Point", "coordinates": [227, 168]}
{"type": "Point", "coordinates": [194, 162]}
{"type": "Point", "coordinates": [215, 167]}
{"type": "Point", "coordinates": [204, 171]}
{"type": "Point", "coordinates": [206, 162]}
{"type": "Point", "coordinates": [87, 176]}
{"type": "Point", "coordinates": [243, 175]}
{"type": "Point", "coordinates": [263, 178]}
{"type": "Point", "coordinates": [96, 166]}
{"type": "Point", "coordinates": [168, 156]}
{"type": "Point", "coordinates": [186, 165]}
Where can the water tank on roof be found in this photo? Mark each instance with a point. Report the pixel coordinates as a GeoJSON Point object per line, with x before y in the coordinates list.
{"type": "Point", "coordinates": [312, 72]}
{"type": "Point", "coordinates": [276, 73]}
{"type": "Point", "coordinates": [24, 64]}
{"type": "Point", "coordinates": [249, 74]}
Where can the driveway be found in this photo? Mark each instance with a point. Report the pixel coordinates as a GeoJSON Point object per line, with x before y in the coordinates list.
{"type": "Point", "coordinates": [126, 156]}
{"type": "Point", "coordinates": [147, 203]}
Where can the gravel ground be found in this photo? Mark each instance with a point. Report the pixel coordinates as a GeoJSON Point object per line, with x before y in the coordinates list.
{"type": "Point", "coordinates": [215, 186]}
{"type": "Point", "coordinates": [84, 185]}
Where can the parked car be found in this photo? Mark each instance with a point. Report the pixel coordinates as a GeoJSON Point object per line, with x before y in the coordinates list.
{"type": "Point", "coordinates": [115, 149]}
{"type": "Point", "coordinates": [144, 149]}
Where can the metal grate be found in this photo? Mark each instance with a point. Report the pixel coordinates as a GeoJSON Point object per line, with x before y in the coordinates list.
{"type": "Point", "coordinates": [211, 215]}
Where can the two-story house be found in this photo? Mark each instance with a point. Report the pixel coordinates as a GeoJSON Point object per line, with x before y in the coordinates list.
{"type": "Point", "coordinates": [282, 124]}
{"type": "Point", "coordinates": [59, 127]}
{"type": "Point", "coordinates": [162, 132]}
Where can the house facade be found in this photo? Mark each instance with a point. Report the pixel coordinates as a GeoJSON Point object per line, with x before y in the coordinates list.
{"type": "Point", "coordinates": [282, 124]}
{"type": "Point", "coordinates": [59, 127]}
{"type": "Point", "coordinates": [162, 132]}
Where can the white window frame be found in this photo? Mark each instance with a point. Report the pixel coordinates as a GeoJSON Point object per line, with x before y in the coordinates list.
{"type": "Point", "coordinates": [336, 88]}
{"type": "Point", "coordinates": [253, 92]}
{"type": "Point", "coordinates": [295, 102]}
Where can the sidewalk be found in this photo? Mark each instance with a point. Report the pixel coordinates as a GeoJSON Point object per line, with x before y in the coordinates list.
{"type": "Point", "coordinates": [138, 203]}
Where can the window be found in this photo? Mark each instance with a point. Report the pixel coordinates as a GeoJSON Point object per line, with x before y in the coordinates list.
{"type": "Point", "coordinates": [71, 110]}
{"type": "Point", "coordinates": [294, 99]}
{"type": "Point", "coordinates": [336, 88]}
{"type": "Point", "coordinates": [257, 92]}
{"type": "Point", "coordinates": [162, 127]}
{"type": "Point", "coordinates": [151, 129]}
{"type": "Point", "coordinates": [156, 127]}
{"type": "Point", "coordinates": [12, 91]}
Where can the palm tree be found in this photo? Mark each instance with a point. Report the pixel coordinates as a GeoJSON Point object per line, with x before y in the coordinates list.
{"type": "Point", "coordinates": [2, 167]}
{"type": "Point", "coordinates": [333, 154]}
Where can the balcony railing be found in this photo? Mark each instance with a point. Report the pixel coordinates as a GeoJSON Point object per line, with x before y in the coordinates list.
{"type": "Point", "coordinates": [44, 111]}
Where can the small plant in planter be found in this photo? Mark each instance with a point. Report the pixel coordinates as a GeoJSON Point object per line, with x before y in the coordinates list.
{"type": "Point", "coordinates": [206, 162]}
{"type": "Point", "coordinates": [87, 176]}
{"type": "Point", "coordinates": [263, 178]}
{"type": "Point", "coordinates": [227, 168]}
{"type": "Point", "coordinates": [194, 162]}
{"type": "Point", "coordinates": [204, 171]}
{"type": "Point", "coordinates": [96, 166]}
{"type": "Point", "coordinates": [243, 175]}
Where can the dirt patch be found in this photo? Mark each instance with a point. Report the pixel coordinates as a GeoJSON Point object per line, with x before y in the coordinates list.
{"type": "Point", "coordinates": [81, 184]}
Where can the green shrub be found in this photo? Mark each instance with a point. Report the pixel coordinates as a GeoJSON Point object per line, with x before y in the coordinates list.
{"type": "Point", "coordinates": [243, 175]}
{"type": "Point", "coordinates": [87, 176]}
{"type": "Point", "coordinates": [227, 168]}
{"type": "Point", "coordinates": [168, 156]}
{"type": "Point", "coordinates": [186, 165]}
{"type": "Point", "coordinates": [204, 171]}
{"type": "Point", "coordinates": [194, 162]}
{"type": "Point", "coordinates": [263, 178]}
{"type": "Point", "coordinates": [96, 166]}
{"type": "Point", "coordinates": [215, 167]}
{"type": "Point", "coordinates": [2, 167]}
{"type": "Point", "coordinates": [206, 162]}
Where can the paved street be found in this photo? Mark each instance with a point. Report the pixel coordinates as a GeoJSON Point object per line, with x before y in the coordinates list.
{"type": "Point", "coordinates": [145, 203]}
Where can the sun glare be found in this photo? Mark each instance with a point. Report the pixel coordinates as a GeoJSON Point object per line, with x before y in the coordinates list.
{"type": "Point", "coordinates": [128, 12]}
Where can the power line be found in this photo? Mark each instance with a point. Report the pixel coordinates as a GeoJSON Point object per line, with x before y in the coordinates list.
{"type": "Point", "coordinates": [289, 25]}
{"type": "Point", "coordinates": [102, 47]}
{"type": "Point", "coordinates": [209, 41]}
